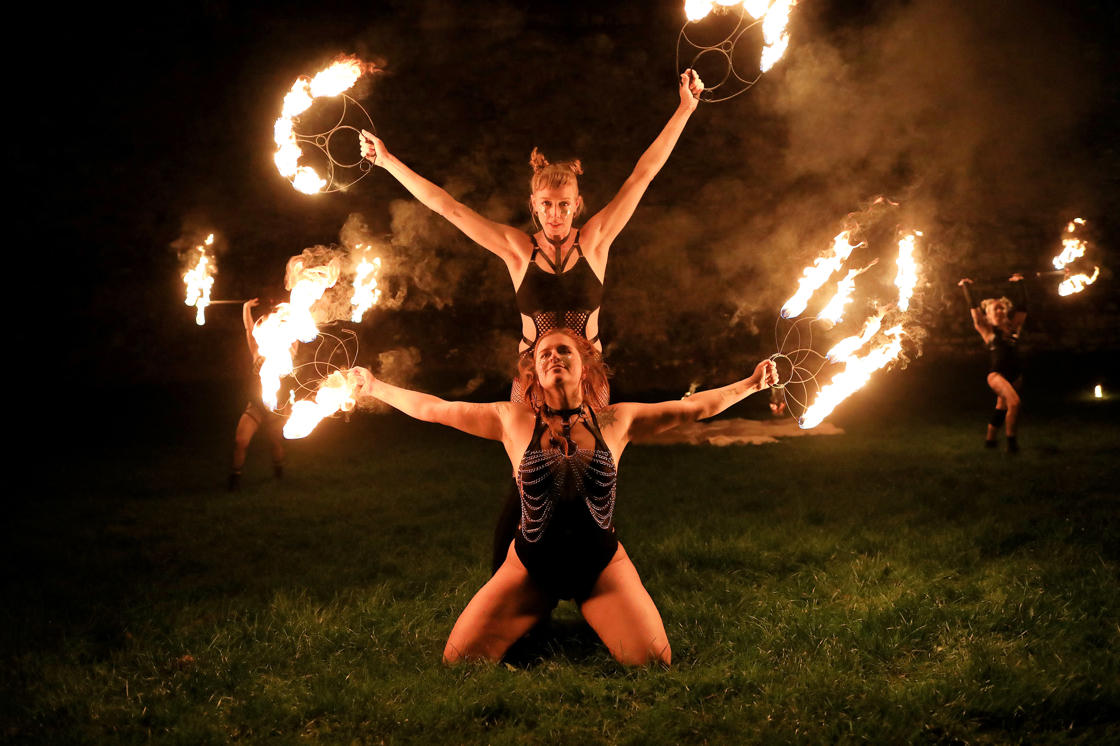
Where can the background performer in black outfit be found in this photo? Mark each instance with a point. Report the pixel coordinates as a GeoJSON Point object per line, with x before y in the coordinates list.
{"type": "Point", "coordinates": [999, 322]}
{"type": "Point", "coordinates": [256, 414]}
{"type": "Point", "coordinates": [564, 454]}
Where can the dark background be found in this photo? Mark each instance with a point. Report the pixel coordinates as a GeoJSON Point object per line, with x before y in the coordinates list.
{"type": "Point", "coordinates": [991, 124]}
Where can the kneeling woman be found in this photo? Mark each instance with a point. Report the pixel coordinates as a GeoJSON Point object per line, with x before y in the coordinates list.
{"type": "Point", "coordinates": [564, 454]}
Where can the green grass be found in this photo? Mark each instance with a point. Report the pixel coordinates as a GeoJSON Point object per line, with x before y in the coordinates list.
{"type": "Point", "coordinates": [896, 584]}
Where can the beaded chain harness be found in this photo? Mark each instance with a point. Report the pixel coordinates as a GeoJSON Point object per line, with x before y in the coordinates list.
{"type": "Point", "coordinates": [544, 474]}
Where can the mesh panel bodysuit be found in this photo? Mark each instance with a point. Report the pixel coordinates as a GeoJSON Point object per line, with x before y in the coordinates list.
{"type": "Point", "coordinates": [559, 299]}
{"type": "Point", "coordinates": [566, 536]}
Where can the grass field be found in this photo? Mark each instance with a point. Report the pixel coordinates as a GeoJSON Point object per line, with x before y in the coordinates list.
{"type": "Point", "coordinates": [895, 584]}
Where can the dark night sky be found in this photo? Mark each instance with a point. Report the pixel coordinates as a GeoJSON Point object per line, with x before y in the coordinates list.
{"type": "Point", "coordinates": [992, 123]}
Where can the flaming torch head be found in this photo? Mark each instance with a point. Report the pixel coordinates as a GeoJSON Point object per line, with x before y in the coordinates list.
{"type": "Point", "coordinates": [199, 280]}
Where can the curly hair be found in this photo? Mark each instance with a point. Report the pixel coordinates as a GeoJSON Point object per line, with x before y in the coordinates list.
{"type": "Point", "coordinates": [989, 302]}
{"type": "Point", "coordinates": [595, 372]}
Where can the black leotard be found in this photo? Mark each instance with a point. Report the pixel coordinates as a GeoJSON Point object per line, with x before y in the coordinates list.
{"type": "Point", "coordinates": [559, 299]}
{"type": "Point", "coordinates": [566, 536]}
{"type": "Point", "coordinates": [1003, 354]}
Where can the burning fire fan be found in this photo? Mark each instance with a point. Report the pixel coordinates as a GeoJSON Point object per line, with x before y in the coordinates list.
{"type": "Point", "coordinates": [708, 32]}
{"type": "Point", "coordinates": [338, 156]}
{"type": "Point", "coordinates": [327, 384]}
{"type": "Point", "coordinates": [878, 343]}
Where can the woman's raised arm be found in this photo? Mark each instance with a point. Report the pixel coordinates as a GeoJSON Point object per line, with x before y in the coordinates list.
{"type": "Point", "coordinates": [482, 420]}
{"type": "Point", "coordinates": [601, 230]}
{"type": "Point", "coordinates": [979, 321]}
{"type": "Point", "coordinates": [510, 244]}
{"type": "Point", "coordinates": [247, 321]}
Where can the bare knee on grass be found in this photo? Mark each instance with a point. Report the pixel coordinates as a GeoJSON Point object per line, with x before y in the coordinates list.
{"type": "Point", "coordinates": [624, 616]}
{"type": "Point", "coordinates": [503, 610]}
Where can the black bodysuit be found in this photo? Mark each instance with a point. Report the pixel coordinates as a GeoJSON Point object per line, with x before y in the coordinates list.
{"type": "Point", "coordinates": [566, 536]}
{"type": "Point", "coordinates": [558, 299]}
{"type": "Point", "coordinates": [1003, 354]}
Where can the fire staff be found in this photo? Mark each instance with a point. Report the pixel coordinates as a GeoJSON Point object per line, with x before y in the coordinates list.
{"type": "Point", "coordinates": [557, 272]}
{"type": "Point", "coordinates": [999, 322]}
{"type": "Point", "coordinates": [564, 450]}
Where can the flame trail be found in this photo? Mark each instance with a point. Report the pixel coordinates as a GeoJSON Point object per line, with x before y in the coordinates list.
{"type": "Point", "coordinates": [199, 279]}
{"type": "Point", "coordinates": [845, 348]}
{"type": "Point", "coordinates": [1077, 283]}
{"type": "Point", "coordinates": [818, 273]}
{"type": "Point", "coordinates": [338, 78]}
{"type": "Point", "coordinates": [857, 369]}
{"type": "Point", "coordinates": [774, 32]}
{"type": "Point", "coordinates": [366, 292]}
{"type": "Point", "coordinates": [907, 277]}
{"type": "Point", "coordinates": [1073, 248]}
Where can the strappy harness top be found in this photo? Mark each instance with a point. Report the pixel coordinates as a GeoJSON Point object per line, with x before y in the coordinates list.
{"type": "Point", "coordinates": [559, 298]}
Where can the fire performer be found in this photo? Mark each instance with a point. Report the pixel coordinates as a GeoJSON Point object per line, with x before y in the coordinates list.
{"type": "Point", "coordinates": [564, 446]}
{"type": "Point", "coordinates": [557, 272]}
{"type": "Point", "coordinates": [999, 322]}
{"type": "Point", "coordinates": [256, 414]}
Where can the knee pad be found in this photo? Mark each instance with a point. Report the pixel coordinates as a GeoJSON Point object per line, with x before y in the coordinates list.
{"type": "Point", "coordinates": [998, 416]}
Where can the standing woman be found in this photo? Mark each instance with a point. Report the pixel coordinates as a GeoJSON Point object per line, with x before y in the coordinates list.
{"type": "Point", "coordinates": [557, 272]}
{"type": "Point", "coordinates": [256, 414]}
{"type": "Point", "coordinates": [565, 453]}
{"type": "Point", "coordinates": [999, 322]}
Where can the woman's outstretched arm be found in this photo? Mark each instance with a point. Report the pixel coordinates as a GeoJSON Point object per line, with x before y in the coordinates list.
{"type": "Point", "coordinates": [482, 420]}
{"type": "Point", "coordinates": [601, 230]}
{"type": "Point", "coordinates": [510, 244]}
{"type": "Point", "coordinates": [647, 419]}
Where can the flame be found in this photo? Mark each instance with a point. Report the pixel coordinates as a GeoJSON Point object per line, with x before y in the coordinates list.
{"type": "Point", "coordinates": [1072, 249]}
{"type": "Point", "coordinates": [857, 371]}
{"type": "Point", "coordinates": [756, 8]}
{"type": "Point", "coordinates": [774, 32]}
{"type": "Point", "coordinates": [277, 334]}
{"type": "Point", "coordinates": [696, 10]}
{"type": "Point", "coordinates": [818, 273]}
{"type": "Point", "coordinates": [338, 392]}
{"type": "Point", "coordinates": [845, 348]}
{"type": "Point", "coordinates": [291, 322]}
{"type": "Point", "coordinates": [338, 78]}
{"type": "Point", "coordinates": [199, 279]}
{"type": "Point", "coordinates": [834, 310]}
{"type": "Point", "coordinates": [1077, 283]}
{"type": "Point", "coordinates": [907, 276]}
{"type": "Point", "coordinates": [774, 15]}
{"type": "Point", "coordinates": [366, 292]}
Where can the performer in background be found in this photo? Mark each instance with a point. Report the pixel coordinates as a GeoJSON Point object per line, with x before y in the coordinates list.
{"type": "Point", "coordinates": [564, 448]}
{"type": "Point", "coordinates": [999, 322]}
{"type": "Point", "coordinates": [558, 271]}
{"type": "Point", "coordinates": [256, 414]}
